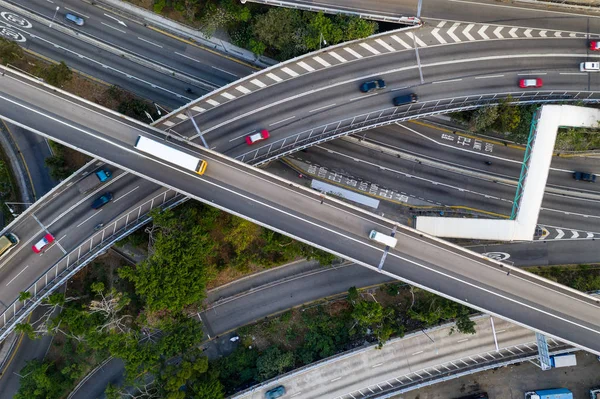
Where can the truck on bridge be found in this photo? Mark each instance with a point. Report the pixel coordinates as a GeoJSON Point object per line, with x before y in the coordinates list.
{"type": "Point", "coordinates": [555, 393]}
{"type": "Point", "coordinates": [93, 180]}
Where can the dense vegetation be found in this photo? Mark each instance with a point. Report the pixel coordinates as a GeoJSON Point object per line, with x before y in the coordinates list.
{"type": "Point", "coordinates": [281, 33]}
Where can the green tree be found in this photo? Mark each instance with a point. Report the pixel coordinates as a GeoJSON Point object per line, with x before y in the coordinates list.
{"type": "Point", "coordinates": [356, 27]}
{"type": "Point", "coordinates": [26, 329]}
{"type": "Point", "coordinates": [484, 117]}
{"type": "Point", "coordinates": [241, 234]}
{"type": "Point", "coordinates": [464, 323]}
{"type": "Point", "coordinates": [41, 380]}
{"type": "Point", "coordinates": [24, 295]}
{"type": "Point", "coordinates": [274, 362]}
{"type": "Point", "coordinates": [509, 116]}
{"type": "Point", "coordinates": [57, 74]}
{"type": "Point", "coordinates": [320, 27]}
{"type": "Point", "coordinates": [280, 29]}
{"type": "Point", "coordinates": [9, 51]}
{"type": "Point", "coordinates": [368, 313]}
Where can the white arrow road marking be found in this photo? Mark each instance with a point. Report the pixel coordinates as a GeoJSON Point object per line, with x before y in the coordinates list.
{"type": "Point", "coordinates": [451, 32]}
{"type": "Point", "coordinates": [497, 32]}
{"type": "Point", "coordinates": [467, 34]}
{"type": "Point", "coordinates": [543, 33]}
{"type": "Point", "coordinates": [482, 32]}
{"type": "Point", "coordinates": [512, 32]}
{"type": "Point", "coordinates": [116, 19]}
{"type": "Point", "coordinates": [438, 36]}
{"type": "Point", "coordinates": [590, 235]}
{"type": "Point", "coordinates": [575, 234]}
{"type": "Point", "coordinates": [528, 32]}
{"type": "Point", "coordinates": [560, 234]}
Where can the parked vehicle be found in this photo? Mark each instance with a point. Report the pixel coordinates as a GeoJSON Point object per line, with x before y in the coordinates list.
{"type": "Point", "coordinates": [93, 180]}
{"type": "Point", "coordinates": [565, 360]}
{"type": "Point", "coordinates": [275, 392]}
{"type": "Point", "coordinates": [526, 83]}
{"type": "Point", "coordinates": [102, 200]}
{"type": "Point", "coordinates": [383, 238]}
{"type": "Point", "coordinates": [7, 242]}
{"type": "Point", "coordinates": [407, 99]}
{"type": "Point", "coordinates": [589, 67]}
{"type": "Point", "coordinates": [170, 154]}
{"type": "Point", "coordinates": [556, 393]}
{"type": "Point", "coordinates": [256, 137]}
{"type": "Point", "coordinates": [43, 243]}
{"type": "Point", "coordinates": [373, 85]}
{"type": "Point", "coordinates": [74, 19]}
{"type": "Point", "coordinates": [584, 176]}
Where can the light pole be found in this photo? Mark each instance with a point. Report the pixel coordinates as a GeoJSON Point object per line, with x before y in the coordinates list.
{"type": "Point", "coordinates": [55, 12]}
{"type": "Point", "coordinates": [322, 40]}
{"type": "Point", "coordinates": [432, 340]}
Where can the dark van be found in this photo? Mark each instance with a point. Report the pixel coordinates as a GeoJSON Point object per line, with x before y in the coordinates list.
{"type": "Point", "coordinates": [583, 176]}
{"type": "Point", "coordinates": [102, 200]}
{"type": "Point", "coordinates": [407, 99]}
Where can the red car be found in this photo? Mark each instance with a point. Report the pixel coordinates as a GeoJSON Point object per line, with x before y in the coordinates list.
{"type": "Point", "coordinates": [43, 243]}
{"type": "Point", "coordinates": [595, 45]}
{"type": "Point", "coordinates": [525, 83]}
{"type": "Point", "coordinates": [256, 137]}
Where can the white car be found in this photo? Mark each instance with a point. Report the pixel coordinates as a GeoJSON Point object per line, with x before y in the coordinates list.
{"type": "Point", "coordinates": [589, 67]}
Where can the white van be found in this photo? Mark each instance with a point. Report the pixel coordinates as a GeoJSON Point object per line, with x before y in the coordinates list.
{"type": "Point", "coordinates": [7, 242]}
{"type": "Point", "coordinates": [383, 239]}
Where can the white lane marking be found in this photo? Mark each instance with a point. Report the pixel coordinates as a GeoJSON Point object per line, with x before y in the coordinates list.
{"type": "Point", "coordinates": [370, 48]}
{"type": "Point", "coordinates": [296, 394]}
{"type": "Point", "coordinates": [76, 12]}
{"type": "Point", "coordinates": [573, 73]}
{"type": "Point", "coordinates": [333, 232]}
{"type": "Point", "coordinates": [320, 108]}
{"type": "Point", "coordinates": [533, 10]}
{"type": "Point", "coordinates": [112, 27]}
{"type": "Point", "coordinates": [322, 61]}
{"type": "Point", "coordinates": [351, 51]}
{"type": "Point", "coordinates": [304, 65]}
{"type": "Point", "coordinates": [420, 42]}
{"type": "Point", "coordinates": [441, 24]}
{"type": "Point", "coordinates": [290, 72]}
{"type": "Point", "coordinates": [14, 278]}
{"type": "Point", "coordinates": [532, 73]}
{"type": "Point", "coordinates": [451, 32]}
{"type": "Point", "coordinates": [274, 77]}
{"type": "Point", "coordinates": [116, 19]}
{"type": "Point", "coordinates": [227, 95]}
{"type": "Point", "coordinates": [489, 77]}
{"type": "Point", "coordinates": [402, 42]}
{"type": "Point", "coordinates": [224, 71]}
{"type": "Point", "coordinates": [281, 121]}
{"type": "Point", "coordinates": [213, 102]}
{"type": "Point", "coordinates": [466, 32]}
{"type": "Point", "coordinates": [89, 218]}
{"type": "Point", "coordinates": [188, 57]}
{"type": "Point", "coordinates": [447, 81]}
{"type": "Point", "coordinates": [337, 56]}
{"type": "Point", "coordinates": [61, 238]}
{"type": "Point", "coordinates": [376, 365]}
{"type": "Point", "coordinates": [463, 340]}
{"type": "Point", "coordinates": [438, 36]}
{"type": "Point", "coordinates": [361, 97]}
{"type": "Point", "coordinates": [481, 32]}
{"type": "Point", "coordinates": [385, 45]}
{"type": "Point", "coordinates": [258, 83]}
{"type": "Point", "coordinates": [127, 193]}
{"type": "Point", "coordinates": [336, 379]}
{"type": "Point", "coordinates": [149, 42]}
{"type": "Point", "coordinates": [243, 135]}
{"type": "Point", "coordinates": [416, 353]}
{"type": "Point", "coordinates": [243, 89]}
{"type": "Point", "coordinates": [499, 331]}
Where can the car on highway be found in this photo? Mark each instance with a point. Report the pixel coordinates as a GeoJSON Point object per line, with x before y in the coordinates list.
{"type": "Point", "coordinates": [43, 243]}
{"type": "Point", "coordinates": [525, 83]}
{"type": "Point", "coordinates": [407, 99]}
{"type": "Point", "coordinates": [373, 85]}
{"type": "Point", "coordinates": [595, 45]}
{"type": "Point", "coordinates": [102, 200]}
{"type": "Point", "coordinates": [589, 67]}
{"type": "Point", "coordinates": [74, 19]}
{"type": "Point", "coordinates": [584, 176]}
{"type": "Point", "coordinates": [256, 137]}
{"type": "Point", "coordinates": [275, 392]}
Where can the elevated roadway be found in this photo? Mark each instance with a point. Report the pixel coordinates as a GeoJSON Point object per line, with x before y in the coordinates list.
{"type": "Point", "coordinates": [299, 213]}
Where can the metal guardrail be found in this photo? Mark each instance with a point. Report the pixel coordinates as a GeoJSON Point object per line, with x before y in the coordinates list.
{"type": "Point", "coordinates": [387, 116]}
{"type": "Point", "coordinates": [329, 10]}
{"type": "Point", "coordinates": [87, 251]}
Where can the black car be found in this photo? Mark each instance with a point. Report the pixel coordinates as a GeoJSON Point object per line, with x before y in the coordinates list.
{"type": "Point", "coordinates": [102, 200]}
{"type": "Point", "coordinates": [372, 85]}
{"type": "Point", "coordinates": [407, 99]}
{"type": "Point", "coordinates": [583, 176]}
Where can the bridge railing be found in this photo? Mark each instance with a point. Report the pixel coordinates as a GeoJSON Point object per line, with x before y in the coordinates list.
{"type": "Point", "coordinates": [387, 116]}
{"type": "Point", "coordinates": [86, 252]}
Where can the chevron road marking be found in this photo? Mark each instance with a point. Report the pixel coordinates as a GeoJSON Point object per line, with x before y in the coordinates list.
{"type": "Point", "coordinates": [528, 32]}
{"type": "Point", "coordinates": [260, 84]}
{"type": "Point", "coordinates": [305, 66]}
{"type": "Point", "coordinates": [337, 56]}
{"type": "Point", "coordinates": [370, 48]}
{"type": "Point", "coordinates": [560, 234]}
{"type": "Point", "coordinates": [575, 234]}
{"type": "Point", "coordinates": [512, 32]}
{"type": "Point", "coordinates": [441, 24]}
{"type": "Point", "coordinates": [467, 34]}
{"type": "Point", "coordinates": [497, 32]}
{"type": "Point", "coordinates": [322, 61]}
{"type": "Point", "coordinates": [557, 34]}
{"type": "Point", "coordinates": [243, 89]}
{"type": "Point", "coordinates": [198, 109]}
{"type": "Point", "coordinates": [402, 42]}
{"type": "Point", "coordinates": [354, 53]}
{"type": "Point", "coordinates": [228, 96]}
{"type": "Point", "coordinates": [590, 235]}
{"type": "Point", "coordinates": [211, 102]}
{"type": "Point", "coordinates": [438, 36]}
{"type": "Point", "coordinates": [543, 33]}
{"type": "Point", "coordinates": [420, 42]}
{"type": "Point", "coordinates": [482, 32]}
{"type": "Point", "coordinates": [385, 45]}
{"type": "Point", "coordinates": [287, 70]}
{"type": "Point", "coordinates": [451, 32]}
{"type": "Point", "coordinates": [274, 77]}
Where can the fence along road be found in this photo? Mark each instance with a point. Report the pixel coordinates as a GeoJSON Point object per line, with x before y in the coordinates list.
{"type": "Point", "coordinates": [298, 212]}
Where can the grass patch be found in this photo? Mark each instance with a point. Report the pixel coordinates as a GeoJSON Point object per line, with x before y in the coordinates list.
{"type": "Point", "coordinates": [584, 278]}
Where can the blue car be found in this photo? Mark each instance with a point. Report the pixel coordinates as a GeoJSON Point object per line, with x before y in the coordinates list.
{"type": "Point", "coordinates": [74, 19]}
{"type": "Point", "coordinates": [102, 200]}
{"type": "Point", "coordinates": [275, 392]}
{"type": "Point", "coordinates": [372, 85]}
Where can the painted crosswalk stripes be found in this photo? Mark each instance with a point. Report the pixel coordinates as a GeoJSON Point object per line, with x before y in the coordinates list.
{"type": "Point", "coordinates": [402, 42]}
{"type": "Point", "coordinates": [322, 61]}
{"type": "Point", "coordinates": [370, 48]}
{"type": "Point", "coordinates": [274, 77]}
{"type": "Point", "coordinates": [290, 72]}
{"type": "Point", "coordinates": [385, 45]}
{"type": "Point", "coordinates": [337, 56]}
{"type": "Point", "coordinates": [243, 89]}
{"type": "Point", "coordinates": [304, 65]}
{"type": "Point", "coordinates": [258, 83]}
{"type": "Point", "coordinates": [354, 53]}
